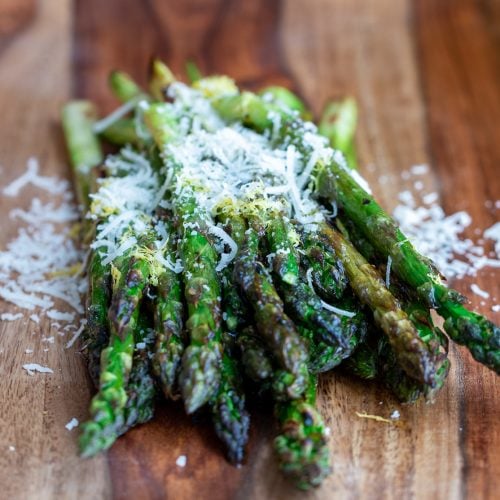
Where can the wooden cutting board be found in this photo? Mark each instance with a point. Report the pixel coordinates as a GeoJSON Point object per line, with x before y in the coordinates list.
{"type": "Point", "coordinates": [427, 78]}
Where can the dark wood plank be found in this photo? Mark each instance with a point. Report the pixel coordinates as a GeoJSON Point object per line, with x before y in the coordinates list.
{"type": "Point", "coordinates": [177, 31]}
{"type": "Point", "coordinates": [458, 45]}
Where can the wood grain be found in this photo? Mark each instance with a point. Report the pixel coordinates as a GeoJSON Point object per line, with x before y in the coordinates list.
{"type": "Point", "coordinates": [34, 83]}
{"type": "Point", "coordinates": [460, 61]}
{"type": "Point", "coordinates": [426, 75]}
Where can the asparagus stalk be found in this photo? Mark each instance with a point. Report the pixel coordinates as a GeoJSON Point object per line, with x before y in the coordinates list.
{"type": "Point", "coordinates": [121, 133]}
{"type": "Point", "coordinates": [301, 446]}
{"type": "Point", "coordinates": [338, 123]}
{"type": "Point", "coordinates": [168, 320]}
{"type": "Point", "coordinates": [193, 72]}
{"type": "Point", "coordinates": [411, 351]}
{"type": "Point", "coordinates": [474, 331]}
{"type": "Point", "coordinates": [327, 273]}
{"type": "Point", "coordinates": [236, 314]}
{"type": "Point", "coordinates": [301, 300]}
{"type": "Point", "coordinates": [124, 87]}
{"type": "Point", "coordinates": [160, 78]}
{"type": "Point", "coordinates": [364, 362]}
{"type": "Point", "coordinates": [84, 149]}
{"type": "Point", "coordinates": [285, 98]}
{"type": "Point", "coordinates": [200, 372]}
{"type": "Point", "coordinates": [95, 336]}
{"type": "Point", "coordinates": [85, 153]}
{"type": "Point", "coordinates": [107, 406]}
{"type": "Point", "coordinates": [141, 388]}
{"type": "Point", "coordinates": [275, 327]}
{"type": "Point", "coordinates": [231, 419]}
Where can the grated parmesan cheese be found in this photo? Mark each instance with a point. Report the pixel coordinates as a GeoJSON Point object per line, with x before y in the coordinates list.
{"type": "Point", "coordinates": [388, 272]}
{"type": "Point", "coordinates": [478, 291]}
{"type": "Point", "coordinates": [52, 185]}
{"type": "Point", "coordinates": [10, 316]}
{"type": "Point", "coordinates": [72, 424]}
{"type": "Point", "coordinates": [31, 368]}
{"type": "Point", "coordinates": [437, 236]}
{"type": "Point", "coordinates": [325, 305]}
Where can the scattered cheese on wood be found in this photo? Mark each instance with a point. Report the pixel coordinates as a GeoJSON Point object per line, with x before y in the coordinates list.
{"type": "Point", "coordinates": [10, 316]}
{"type": "Point", "coordinates": [478, 291]}
{"type": "Point", "coordinates": [419, 169]}
{"type": "Point", "coordinates": [77, 333]}
{"type": "Point", "coordinates": [31, 368]}
{"type": "Point", "coordinates": [437, 236]}
{"type": "Point", "coordinates": [72, 424]}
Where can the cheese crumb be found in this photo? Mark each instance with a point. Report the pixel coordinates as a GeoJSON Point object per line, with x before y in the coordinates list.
{"type": "Point", "coordinates": [478, 291]}
{"type": "Point", "coordinates": [10, 316]}
{"type": "Point", "coordinates": [31, 368]}
{"type": "Point", "coordinates": [395, 415]}
{"type": "Point", "coordinates": [181, 461]}
{"type": "Point", "coordinates": [419, 169]}
{"type": "Point", "coordinates": [72, 424]}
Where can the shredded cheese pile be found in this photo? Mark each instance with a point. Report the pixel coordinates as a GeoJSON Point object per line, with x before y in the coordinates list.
{"type": "Point", "coordinates": [438, 236]}
{"type": "Point", "coordinates": [39, 267]}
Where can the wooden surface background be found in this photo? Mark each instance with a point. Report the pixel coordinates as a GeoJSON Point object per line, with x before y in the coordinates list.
{"type": "Point", "coordinates": [427, 77]}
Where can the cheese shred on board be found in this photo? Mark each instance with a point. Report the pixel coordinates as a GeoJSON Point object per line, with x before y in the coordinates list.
{"type": "Point", "coordinates": [40, 267]}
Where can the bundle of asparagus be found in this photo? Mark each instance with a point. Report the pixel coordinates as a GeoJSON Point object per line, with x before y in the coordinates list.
{"type": "Point", "coordinates": [235, 251]}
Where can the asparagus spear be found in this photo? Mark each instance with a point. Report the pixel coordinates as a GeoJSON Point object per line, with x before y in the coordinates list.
{"type": "Point", "coordinates": [474, 331]}
{"type": "Point", "coordinates": [301, 300]}
{"type": "Point", "coordinates": [124, 87]}
{"type": "Point", "coordinates": [85, 152]}
{"type": "Point", "coordinates": [236, 314]}
{"type": "Point", "coordinates": [364, 362]}
{"type": "Point", "coordinates": [338, 123]}
{"type": "Point", "coordinates": [285, 98]}
{"type": "Point", "coordinates": [160, 78]}
{"type": "Point", "coordinates": [193, 72]}
{"type": "Point", "coordinates": [301, 447]}
{"type": "Point", "coordinates": [95, 336]}
{"type": "Point", "coordinates": [107, 406]}
{"type": "Point", "coordinates": [200, 373]}
{"type": "Point", "coordinates": [411, 351]}
{"type": "Point", "coordinates": [121, 133]}
{"type": "Point", "coordinates": [141, 388]}
{"type": "Point", "coordinates": [230, 418]}
{"type": "Point", "coordinates": [277, 330]}
{"type": "Point", "coordinates": [168, 319]}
